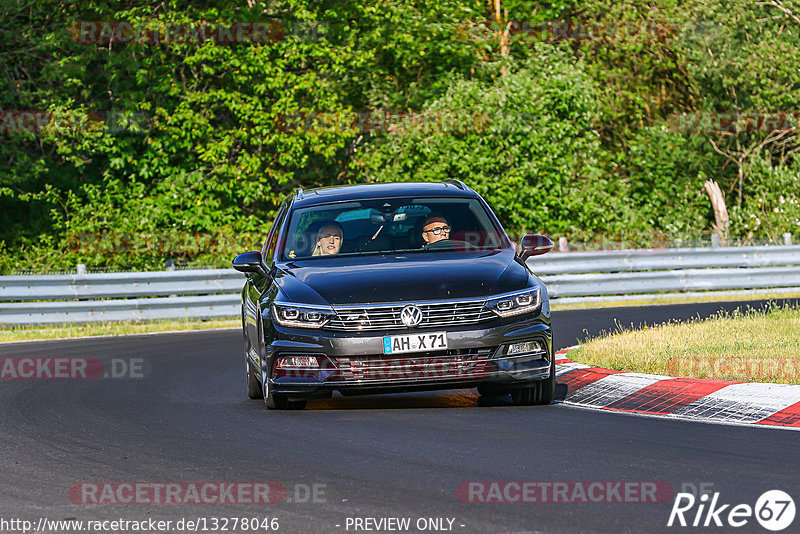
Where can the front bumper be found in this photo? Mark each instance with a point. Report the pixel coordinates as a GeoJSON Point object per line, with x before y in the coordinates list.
{"type": "Point", "coordinates": [353, 363]}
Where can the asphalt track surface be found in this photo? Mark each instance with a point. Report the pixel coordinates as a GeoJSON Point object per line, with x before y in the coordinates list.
{"type": "Point", "coordinates": [405, 455]}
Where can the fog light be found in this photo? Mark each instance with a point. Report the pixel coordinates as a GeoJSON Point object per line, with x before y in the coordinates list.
{"type": "Point", "coordinates": [293, 362]}
{"type": "Point", "coordinates": [302, 368]}
{"type": "Point", "coordinates": [523, 348]}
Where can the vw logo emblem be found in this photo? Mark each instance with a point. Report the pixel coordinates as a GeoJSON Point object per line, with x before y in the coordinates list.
{"type": "Point", "coordinates": [411, 315]}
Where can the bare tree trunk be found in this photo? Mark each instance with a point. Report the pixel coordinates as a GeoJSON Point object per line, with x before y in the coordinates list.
{"type": "Point", "coordinates": [720, 210]}
{"type": "Point", "coordinates": [741, 182]}
{"type": "Point", "coordinates": [503, 30]}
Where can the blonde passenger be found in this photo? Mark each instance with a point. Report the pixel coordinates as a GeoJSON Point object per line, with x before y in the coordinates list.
{"type": "Point", "coordinates": [329, 240]}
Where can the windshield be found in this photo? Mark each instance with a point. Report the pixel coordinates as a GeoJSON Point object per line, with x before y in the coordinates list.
{"type": "Point", "coordinates": [389, 226]}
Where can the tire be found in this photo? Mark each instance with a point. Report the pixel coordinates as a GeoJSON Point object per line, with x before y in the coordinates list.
{"type": "Point", "coordinates": [541, 392]}
{"type": "Point", "coordinates": [273, 401]}
{"type": "Point", "coordinates": [547, 387]}
{"type": "Point", "coordinates": [254, 390]}
{"type": "Point", "coordinates": [280, 402]}
{"type": "Point", "coordinates": [253, 385]}
{"type": "Point", "coordinates": [489, 390]}
{"type": "Point", "coordinates": [523, 397]}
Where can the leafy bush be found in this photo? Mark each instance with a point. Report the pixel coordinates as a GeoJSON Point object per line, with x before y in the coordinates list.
{"type": "Point", "coordinates": [183, 150]}
{"type": "Point", "coordinates": [772, 201]}
{"type": "Point", "coordinates": [525, 141]}
{"type": "Point", "coordinates": [664, 183]}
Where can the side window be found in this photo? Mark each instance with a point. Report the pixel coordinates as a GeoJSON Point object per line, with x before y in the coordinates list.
{"type": "Point", "coordinates": [272, 237]}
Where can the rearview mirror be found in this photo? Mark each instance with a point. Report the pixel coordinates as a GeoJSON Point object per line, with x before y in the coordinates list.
{"type": "Point", "coordinates": [250, 262]}
{"type": "Point", "coordinates": [534, 245]}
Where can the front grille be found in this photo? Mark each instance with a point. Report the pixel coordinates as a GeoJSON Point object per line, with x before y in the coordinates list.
{"type": "Point", "coordinates": [462, 364]}
{"type": "Point", "coordinates": [388, 316]}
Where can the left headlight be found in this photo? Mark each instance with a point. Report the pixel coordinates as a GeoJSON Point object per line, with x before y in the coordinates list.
{"type": "Point", "coordinates": [302, 316]}
{"type": "Point", "coordinates": [515, 303]}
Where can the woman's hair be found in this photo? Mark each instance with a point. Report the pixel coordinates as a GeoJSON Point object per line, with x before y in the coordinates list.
{"type": "Point", "coordinates": [325, 225]}
{"type": "Point", "coordinates": [330, 224]}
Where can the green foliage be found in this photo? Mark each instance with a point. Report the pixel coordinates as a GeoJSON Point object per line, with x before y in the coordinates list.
{"type": "Point", "coordinates": [772, 201]}
{"type": "Point", "coordinates": [183, 149]}
{"type": "Point", "coordinates": [743, 54]}
{"type": "Point", "coordinates": [664, 182]}
{"type": "Point", "coordinates": [197, 143]}
{"type": "Point", "coordinates": [631, 50]}
{"type": "Point", "coordinates": [525, 141]}
{"type": "Point", "coordinates": [408, 48]}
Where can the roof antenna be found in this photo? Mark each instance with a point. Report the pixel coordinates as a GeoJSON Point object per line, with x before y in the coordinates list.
{"type": "Point", "coordinates": [458, 183]}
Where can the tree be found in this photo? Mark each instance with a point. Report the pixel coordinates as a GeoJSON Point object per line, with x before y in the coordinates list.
{"type": "Point", "coordinates": [744, 55]}
{"type": "Point", "coordinates": [525, 141]}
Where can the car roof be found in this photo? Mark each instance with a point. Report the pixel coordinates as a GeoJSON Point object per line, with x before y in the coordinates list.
{"type": "Point", "coordinates": [324, 195]}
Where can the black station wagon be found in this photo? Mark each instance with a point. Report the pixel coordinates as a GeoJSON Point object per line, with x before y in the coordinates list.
{"type": "Point", "coordinates": [390, 288]}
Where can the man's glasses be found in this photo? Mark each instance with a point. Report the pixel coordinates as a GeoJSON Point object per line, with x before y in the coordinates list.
{"type": "Point", "coordinates": [438, 230]}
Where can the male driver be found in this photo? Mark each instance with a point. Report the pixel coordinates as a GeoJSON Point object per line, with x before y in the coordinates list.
{"type": "Point", "coordinates": [436, 228]}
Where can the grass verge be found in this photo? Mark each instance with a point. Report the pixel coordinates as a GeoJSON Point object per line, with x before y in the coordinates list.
{"type": "Point", "coordinates": [747, 346]}
{"type": "Point", "coordinates": [60, 331]}
{"type": "Point", "coordinates": [676, 299]}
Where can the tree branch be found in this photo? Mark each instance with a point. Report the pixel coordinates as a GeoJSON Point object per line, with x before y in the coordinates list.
{"type": "Point", "coordinates": [785, 10]}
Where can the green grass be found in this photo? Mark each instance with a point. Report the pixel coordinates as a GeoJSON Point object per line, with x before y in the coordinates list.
{"type": "Point", "coordinates": [747, 346]}
{"type": "Point", "coordinates": [59, 331]}
{"type": "Point", "coordinates": [711, 297]}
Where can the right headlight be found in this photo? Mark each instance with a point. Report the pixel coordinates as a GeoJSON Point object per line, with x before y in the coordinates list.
{"type": "Point", "coordinates": [519, 302]}
{"type": "Point", "coordinates": [302, 316]}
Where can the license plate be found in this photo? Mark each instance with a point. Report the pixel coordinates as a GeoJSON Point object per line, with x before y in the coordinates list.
{"type": "Point", "coordinates": [414, 343]}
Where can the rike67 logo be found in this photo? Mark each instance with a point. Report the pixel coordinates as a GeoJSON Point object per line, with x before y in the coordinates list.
{"type": "Point", "coordinates": [774, 510]}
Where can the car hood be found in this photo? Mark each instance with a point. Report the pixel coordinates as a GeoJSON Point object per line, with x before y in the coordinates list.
{"type": "Point", "coordinates": [402, 278]}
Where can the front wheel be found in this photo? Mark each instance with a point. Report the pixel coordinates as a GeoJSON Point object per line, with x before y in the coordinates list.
{"type": "Point", "coordinates": [281, 402]}
{"type": "Point", "coordinates": [274, 401]}
{"type": "Point", "coordinates": [251, 378]}
{"type": "Point", "coordinates": [254, 390]}
{"type": "Point", "coordinates": [541, 392]}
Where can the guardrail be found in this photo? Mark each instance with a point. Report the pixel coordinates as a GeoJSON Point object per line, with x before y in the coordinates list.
{"type": "Point", "coordinates": [214, 293]}
{"type": "Point", "coordinates": [631, 272]}
{"type": "Point", "coordinates": [82, 298]}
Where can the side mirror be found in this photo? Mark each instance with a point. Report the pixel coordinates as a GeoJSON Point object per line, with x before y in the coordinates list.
{"type": "Point", "coordinates": [534, 245]}
{"type": "Point", "coordinates": [250, 262]}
